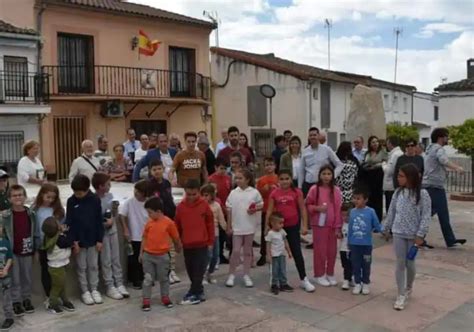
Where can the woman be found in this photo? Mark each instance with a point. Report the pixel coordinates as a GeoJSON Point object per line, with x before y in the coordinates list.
{"type": "Point", "coordinates": [347, 178]}
{"type": "Point", "coordinates": [291, 161]}
{"type": "Point", "coordinates": [30, 169]}
{"type": "Point", "coordinates": [244, 144]}
{"type": "Point", "coordinates": [372, 174]}
{"type": "Point", "coordinates": [120, 167]}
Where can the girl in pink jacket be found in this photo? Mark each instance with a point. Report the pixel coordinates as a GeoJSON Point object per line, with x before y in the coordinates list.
{"type": "Point", "coordinates": [324, 202]}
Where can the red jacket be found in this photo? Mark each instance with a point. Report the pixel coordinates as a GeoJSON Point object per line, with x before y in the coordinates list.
{"type": "Point", "coordinates": [195, 223]}
{"type": "Point", "coordinates": [224, 187]}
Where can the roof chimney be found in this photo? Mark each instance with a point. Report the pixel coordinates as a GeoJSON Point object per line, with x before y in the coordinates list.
{"type": "Point", "coordinates": [470, 68]}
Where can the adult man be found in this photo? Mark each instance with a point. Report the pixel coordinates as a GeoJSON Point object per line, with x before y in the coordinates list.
{"type": "Point", "coordinates": [233, 134]}
{"type": "Point", "coordinates": [287, 133]}
{"type": "Point", "coordinates": [223, 143]}
{"type": "Point", "coordinates": [436, 162]}
{"type": "Point", "coordinates": [313, 157]}
{"type": "Point", "coordinates": [410, 157]}
{"type": "Point", "coordinates": [204, 147]}
{"type": "Point", "coordinates": [189, 163]}
{"type": "Point", "coordinates": [280, 149]}
{"type": "Point", "coordinates": [358, 150]}
{"type": "Point", "coordinates": [394, 152]}
{"type": "Point", "coordinates": [322, 138]}
{"type": "Point", "coordinates": [102, 151]}
{"type": "Point", "coordinates": [153, 138]}
{"type": "Point", "coordinates": [175, 142]}
{"type": "Point", "coordinates": [131, 145]}
{"type": "Point", "coordinates": [85, 164]}
{"type": "Point", "coordinates": [162, 152]}
{"type": "Point", "coordinates": [142, 151]}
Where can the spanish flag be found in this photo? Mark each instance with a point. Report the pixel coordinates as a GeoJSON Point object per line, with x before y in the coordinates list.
{"type": "Point", "coordinates": [145, 45]}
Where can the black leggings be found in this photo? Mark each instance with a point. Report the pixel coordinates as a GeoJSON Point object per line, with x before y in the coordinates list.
{"type": "Point", "coordinates": [45, 277]}
{"type": "Point", "coordinates": [224, 240]}
{"type": "Point", "coordinates": [135, 269]}
{"type": "Point", "coordinates": [294, 241]}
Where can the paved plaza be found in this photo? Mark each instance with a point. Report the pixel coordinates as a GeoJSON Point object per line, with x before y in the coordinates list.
{"type": "Point", "coordinates": [443, 299]}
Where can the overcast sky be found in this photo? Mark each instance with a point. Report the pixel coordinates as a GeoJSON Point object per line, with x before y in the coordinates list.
{"type": "Point", "coordinates": [437, 38]}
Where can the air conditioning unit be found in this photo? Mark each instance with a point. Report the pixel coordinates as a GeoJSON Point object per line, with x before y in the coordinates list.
{"type": "Point", "coordinates": [112, 109]}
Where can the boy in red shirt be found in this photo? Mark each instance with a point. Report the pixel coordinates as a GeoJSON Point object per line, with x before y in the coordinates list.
{"type": "Point", "coordinates": [195, 223]}
{"type": "Point", "coordinates": [265, 186]}
{"type": "Point", "coordinates": [154, 251]}
{"type": "Point", "coordinates": [223, 183]}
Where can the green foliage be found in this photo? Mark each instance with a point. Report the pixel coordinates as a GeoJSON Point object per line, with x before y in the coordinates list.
{"type": "Point", "coordinates": [462, 137]}
{"type": "Point", "coordinates": [403, 132]}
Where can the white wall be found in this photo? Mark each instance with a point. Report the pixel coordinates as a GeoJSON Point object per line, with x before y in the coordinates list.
{"type": "Point", "coordinates": [397, 105]}
{"type": "Point", "coordinates": [455, 107]}
{"type": "Point", "coordinates": [423, 112]}
{"type": "Point", "coordinates": [28, 124]}
{"type": "Point", "coordinates": [21, 48]}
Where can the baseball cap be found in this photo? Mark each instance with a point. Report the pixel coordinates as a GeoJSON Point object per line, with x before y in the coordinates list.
{"type": "Point", "coordinates": [3, 174]}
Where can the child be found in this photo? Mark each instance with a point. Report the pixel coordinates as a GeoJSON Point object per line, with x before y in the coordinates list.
{"type": "Point", "coordinates": [110, 254]}
{"type": "Point", "coordinates": [288, 200]}
{"type": "Point", "coordinates": [324, 207]}
{"type": "Point", "coordinates": [362, 222]}
{"type": "Point", "coordinates": [196, 228]}
{"type": "Point", "coordinates": [134, 217]}
{"type": "Point", "coordinates": [57, 243]}
{"type": "Point", "coordinates": [265, 186]}
{"type": "Point", "coordinates": [160, 187]}
{"type": "Point", "coordinates": [6, 258]}
{"type": "Point", "coordinates": [344, 252]}
{"type": "Point", "coordinates": [19, 225]}
{"type": "Point", "coordinates": [47, 204]}
{"type": "Point", "coordinates": [154, 251]}
{"type": "Point", "coordinates": [4, 203]}
{"type": "Point", "coordinates": [243, 204]}
{"type": "Point", "coordinates": [84, 218]}
{"type": "Point", "coordinates": [408, 218]}
{"type": "Point", "coordinates": [277, 243]}
{"type": "Point", "coordinates": [236, 162]}
{"type": "Point", "coordinates": [223, 183]}
{"type": "Point", "coordinates": [208, 192]}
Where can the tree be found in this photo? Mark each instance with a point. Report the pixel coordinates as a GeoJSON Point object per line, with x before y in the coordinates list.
{"type": "Point", "coordinates": [462, 138]}
{"type": "Point", "coordinates": [403, 132]}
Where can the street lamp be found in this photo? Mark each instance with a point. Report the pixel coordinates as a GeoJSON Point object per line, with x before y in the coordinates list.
{"type": "Point", "coordinates": [268, 92]}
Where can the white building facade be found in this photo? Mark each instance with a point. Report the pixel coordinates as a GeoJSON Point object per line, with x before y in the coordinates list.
{"type": "Point", "coordinates": [425, 114]}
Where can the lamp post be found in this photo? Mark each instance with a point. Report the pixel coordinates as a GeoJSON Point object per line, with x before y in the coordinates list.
{"type": "Point", "coordinates": [268, 92]}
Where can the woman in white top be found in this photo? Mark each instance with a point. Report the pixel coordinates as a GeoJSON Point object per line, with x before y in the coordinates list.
{"type": "Point", "coordinates": [30, 169]}
{"type": "Point", "coordinates": [291, 161]}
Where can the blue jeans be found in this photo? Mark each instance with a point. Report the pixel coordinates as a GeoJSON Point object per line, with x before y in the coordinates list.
{"type": "Point", "coordinates": [279, 271]}
{"type": "Point", "coordinates": [361, 259]}
{"type": "Point", "coordinates": [213, 256]}
{"type": "Point", "coordinates": [439, 206]}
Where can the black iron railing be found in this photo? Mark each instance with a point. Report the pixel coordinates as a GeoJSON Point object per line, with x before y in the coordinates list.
{"type": "Point", "coordinates": [117, 81]}
{"type": "Point", "coordinates": [24, 87]}
{"type": "Point", "coordinates": [461, 182]}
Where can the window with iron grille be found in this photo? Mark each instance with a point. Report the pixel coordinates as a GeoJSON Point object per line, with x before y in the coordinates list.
{"type": "Point", "coordinates": [15, 76]}
{"type": "Point", "coordinates": [11, 149]}
{"type": "Point", "coordinates": [182, 66]}
{"type": "Point", "coordinates": [76, 63]}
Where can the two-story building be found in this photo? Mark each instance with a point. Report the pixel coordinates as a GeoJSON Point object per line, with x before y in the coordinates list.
{"type": "Point", "coordinates": [305, 96]}
{"type": "Point", "coordinates": [425, 114]}
{"type": "Point", "coordinates": [100, 84]}
{"type": "Point", "coordinates": [23, 92]}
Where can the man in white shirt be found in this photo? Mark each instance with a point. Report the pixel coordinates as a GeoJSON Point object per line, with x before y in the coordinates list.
{"type": "Point", "coordinates": [389, 167]}
{"type": "Point", "coordinates": [358, 150]}
{"type": "Point", "coordinates": [224, 142]}
{"type": "Point", "coordinates": [131, 145]}
{"type": "Point", "coordinates": [102, 151]}
{"type": "Point", "coordinates": [85, 164]}
{"type": "Point", "coordinates": [142, 151]}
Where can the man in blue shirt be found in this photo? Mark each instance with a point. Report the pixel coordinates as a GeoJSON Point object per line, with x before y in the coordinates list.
{"type": "Point", "coordinates": [358, 150]}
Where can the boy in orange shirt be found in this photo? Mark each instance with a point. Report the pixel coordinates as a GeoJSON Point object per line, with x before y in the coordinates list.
{"type": "Point", "coordinates": [265, 186]}
{"type": "Point", "coordinates": [154, 252]}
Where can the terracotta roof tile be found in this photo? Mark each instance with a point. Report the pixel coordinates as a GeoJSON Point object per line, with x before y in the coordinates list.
{"type": "Point", "coordinates": [462, 85]}
{"type": "Point", "coordinates": [124, 7]}
{"type": "Point", "coordinates": [7, 27]}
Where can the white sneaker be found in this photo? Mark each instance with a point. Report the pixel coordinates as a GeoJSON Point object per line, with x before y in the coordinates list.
{"type": "Point", "coordinates": [247, 281]}
{"type": "Point", "coordinates": [345, 285]}
{"type": "Point", "coordinates": [365, 289]}
{"type": "Point", "coordinates": [171, 280]}
{"type": "Point", "coordinates": [46, 303]}
{"type": "Point", "coordinates": [204, 281]}
{"type": "Point", "coordinates": [210, 279]}
{"type": "Point", "coordinates": [87, 298]}
{"type": "Point", "coordinates": [357, 289]}
{"type": "Point", "coordinates": [217, 267]}
{"type": "Point", "coordinates": [307, 286]}
{"type": "Point", "coordinates": [174, 276]}
{"type": "Point", "coordinates": [332, 280]}
{"type": "Point", "coordinates": [97, 298]}
{"type": "Point", "coordinates": [113, 293]}
{"type": "Point", "coordinates": [323, 281]}
{"type": "Point", "coordinates": [230, 281]}
{"type": "Point", "coordinates": [122, 290]}
{"type": "Point", "coordinates": [400, 302]}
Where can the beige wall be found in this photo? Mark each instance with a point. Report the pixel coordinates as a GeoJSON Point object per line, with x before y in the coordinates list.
{"type": "Point", "coordinates": [18, 12]}
{"type": "Point", "coordinates": [112, 38]}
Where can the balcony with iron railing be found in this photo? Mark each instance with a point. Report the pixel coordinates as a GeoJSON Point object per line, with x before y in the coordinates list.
{"type": "Point", "coordinates": [125, 82]}
{"type": "Point", "coordinates": [18, 87]}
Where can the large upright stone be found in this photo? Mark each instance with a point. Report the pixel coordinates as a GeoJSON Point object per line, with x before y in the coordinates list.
{"type": "Point", "coordinates": [366, 116]}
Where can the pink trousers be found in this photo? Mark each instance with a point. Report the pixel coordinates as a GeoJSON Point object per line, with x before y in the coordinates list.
{"type": "Point", "coordinates": [240, 242]}
{"type": "Point", "coordinates": [324, 251]}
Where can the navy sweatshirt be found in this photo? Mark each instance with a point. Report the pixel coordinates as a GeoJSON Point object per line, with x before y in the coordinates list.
{"type": "Point", "coordinates": [85, 220]}
{"type": "Point", "coordinates": [163, 190]}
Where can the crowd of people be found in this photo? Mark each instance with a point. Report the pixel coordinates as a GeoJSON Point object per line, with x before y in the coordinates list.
{"type": "Point", "coordinates": [337, 196]}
